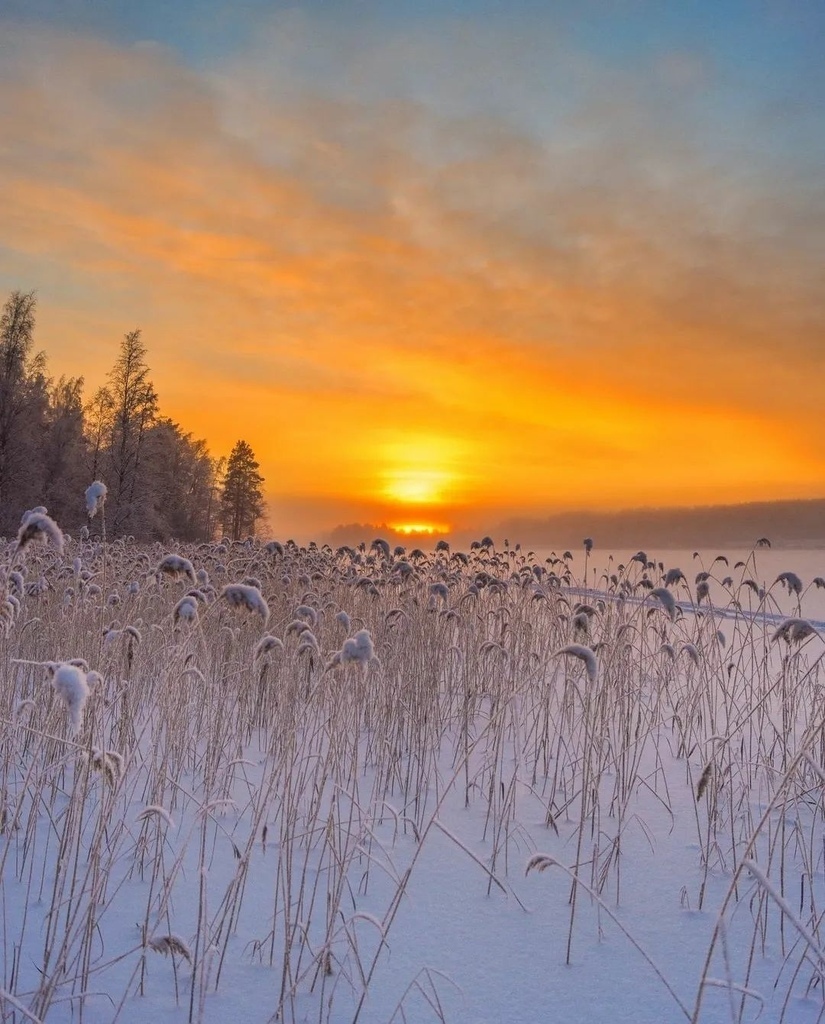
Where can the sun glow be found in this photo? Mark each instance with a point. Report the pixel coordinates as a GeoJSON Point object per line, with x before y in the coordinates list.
{"type": "Point", "coordinates": [420, 470]}
{"type": "Point", "coordinates": [427, 529]}
{"type": "Point", "coordinates": [416, 486]}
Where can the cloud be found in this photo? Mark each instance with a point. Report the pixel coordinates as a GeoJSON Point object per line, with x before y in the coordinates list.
{"type": "Point", "coordinates": [582, 302]}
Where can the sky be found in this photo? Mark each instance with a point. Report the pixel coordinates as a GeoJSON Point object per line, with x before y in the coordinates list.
{"type": "Point", "coordinates": [438, 262]}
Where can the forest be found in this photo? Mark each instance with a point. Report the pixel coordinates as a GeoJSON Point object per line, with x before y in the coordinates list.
{"type": "Point", "coordinates": [161, 481]}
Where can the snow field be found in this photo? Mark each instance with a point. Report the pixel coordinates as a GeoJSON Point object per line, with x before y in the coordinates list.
{"type": "Point", "coordinates": [421, 809]}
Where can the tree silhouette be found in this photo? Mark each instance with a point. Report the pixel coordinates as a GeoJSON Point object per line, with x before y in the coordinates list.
{"type": "Point", "coordinates": [121, 416]}
{"type": "Point", "coordinates": [242, 500]}
{"type": "Point", "coordinates": [23, 403]}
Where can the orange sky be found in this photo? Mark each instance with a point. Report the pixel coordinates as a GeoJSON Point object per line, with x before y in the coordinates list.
{"type": "Point", "coordinates": [416, 315]}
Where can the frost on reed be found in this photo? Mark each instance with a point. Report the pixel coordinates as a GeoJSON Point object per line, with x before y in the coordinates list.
{"type": "Point", "coordinates": [169, 944]}
{"type": "Point", "coordinates": [71, 684]}
{"type": "Point", "coordinates": [472, 714]}
{"type": "Point", "coordinates": [156, 810]}
{"type": "Point", "coordinates": [667, 600]}
{"type": "Point", "coordinates": [791, 581]}
{"type": "Point", "coordinates": [109, 763]}
{"type": "Point", "coordinates": [245, 596]}
{"type": "Point", "coordinates": [584, 654]}
{"type": "Point", "coordinates": [357, 649]}
{"type": "Point", "coordinates": [186, 610]}
{"type": "Point", "coordinates": [266, 645]}
{"type": "Point", "coordinates": [794, 631]}
{"type": "Point", "coordinates": [37, 525]}
{"type": "Point", "coordinates": [176, 566]}
{"type": "Point", "coordinates": [95, 497]}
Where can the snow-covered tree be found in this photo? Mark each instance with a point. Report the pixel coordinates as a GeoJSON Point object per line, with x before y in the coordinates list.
{"type": "Point", "coordinates": [242, 500]}
{"type": "Point", "coordinates": [23, 402]}
{"type": "Point", "coordinates": [132, 408]}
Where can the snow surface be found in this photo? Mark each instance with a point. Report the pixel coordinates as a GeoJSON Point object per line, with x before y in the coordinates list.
{"type": "Point", "coordinates": [356, 788]}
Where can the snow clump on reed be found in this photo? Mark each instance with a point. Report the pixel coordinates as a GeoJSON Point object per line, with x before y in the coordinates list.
{"type": "Point", "coordinates": [242, 595]}
{"type": "Point", "coordinates": [95, 497]}
{"type": "Point", "coordinates": [667, 600]}
{"type": "Point", "coordinates": [266, 645]}
{"type": "Point", "coordinates": [794, 631]}
{"type": "Point", "coordinates": [358, 648]}
{"type": "Point", "coordinates": [176, 565]}
{"type": "Point", "coordinates": [186, 610]}
{"type": "Point", "coordinates": [71, 685]}
{"type": "Point", "coordinates": [37, 525]}
{"type": "Point", "coordinates": [584, 654]}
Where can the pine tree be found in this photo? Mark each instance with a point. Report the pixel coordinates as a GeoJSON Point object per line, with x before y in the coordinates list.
{"type": "Point", "coordinates": [242, 500]}
{"type": "Point", "coordinates": [64, 451]}
{"type": "Point", "coordinates": [132, 407]}
{"type": "Point", "coordinates": [183, 477]}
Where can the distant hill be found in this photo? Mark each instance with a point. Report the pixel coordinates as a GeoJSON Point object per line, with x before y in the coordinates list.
{"type": "Point", "coordinates": [784, 523]}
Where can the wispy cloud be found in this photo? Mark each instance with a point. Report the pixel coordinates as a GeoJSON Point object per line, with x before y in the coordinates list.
{"type": "Point", "coordinates": [585, 294]}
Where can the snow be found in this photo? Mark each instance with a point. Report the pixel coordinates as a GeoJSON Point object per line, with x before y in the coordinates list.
{"type": "Point", "coordinates": [234, 837]}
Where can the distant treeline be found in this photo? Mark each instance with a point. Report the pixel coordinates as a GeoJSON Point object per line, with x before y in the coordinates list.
{"type": "Point", "coordinates": [353, 534]}
{"type": "Point", "coordinates": [161, 481]}
{"type": "Point", "coordinates": [783, 523]}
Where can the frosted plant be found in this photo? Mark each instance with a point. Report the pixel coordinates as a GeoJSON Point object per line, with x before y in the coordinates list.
{"type": "Point", "coordinates": [667, 601]}
{"type": "Point", "coordinates": [358, 648]}
{"type": "Point", "coordinates": [584, 654]}
{"type": "Point", "coordinates": [381, 546]}
{"type": "Point", "coordinates": [794, 631]}
{"type": "Point", "coordinates": [186, 610]}
{"type": "Point", "coordinates": [308, 644]}
{"type": "Point", "coordinates": [791, 581]}
{"type": "Point", "coordinates": [109, 763]}
{"type": "Point", "coordinates": [71, 684]}
{"type": "Point", "coordinates": [298, 626]}
{"type": "Point", "coordinates": [170, 944]}
{"type": "Point", "coordinates": [8, 612]}
{"type": "Point", "coordinates": [130, 637]}
{"type": "Point", "coordinates": [304, 611]}
{"type": "Point", "coordinates": [176, 565]}
{"type": "Point", "coordinates": [156, 810]}
{"type": "Point", "coordinates": [344, 619]}
{"type": "Point", "coordinates": [266, 645]}
{"type": "Point", "coordinates": [674, 576]}
{"type": "Point", "coordinates": [36, 525]}
{"type": "Point", "coordinates": [692, 651]}
{"type": "Point", "coordinates": [242, 595]}
{"type": "Point", "coordinates": [95, 497]}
